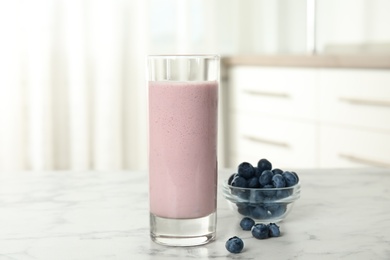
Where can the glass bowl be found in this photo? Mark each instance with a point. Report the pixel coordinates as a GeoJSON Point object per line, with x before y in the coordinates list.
{"type": "Point", "coordinates": [264, 205]}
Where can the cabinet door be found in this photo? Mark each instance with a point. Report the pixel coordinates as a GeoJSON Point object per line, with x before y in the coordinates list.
{"type": "Point", "coordinates": [351, 147]}
{"type": "Point", "coordinates": [353, 97]}
{"type": "Point", "coordinates": [286, 92]}
{"type": "Point", "coordinates": [285, 143]}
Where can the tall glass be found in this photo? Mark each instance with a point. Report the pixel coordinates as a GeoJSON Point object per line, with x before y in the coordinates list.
{"type": "Point", "coordinates": [183, 101]}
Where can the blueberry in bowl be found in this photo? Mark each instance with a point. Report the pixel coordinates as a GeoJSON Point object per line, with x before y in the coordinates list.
{"type": "Point", "coordinates": [270, 199]}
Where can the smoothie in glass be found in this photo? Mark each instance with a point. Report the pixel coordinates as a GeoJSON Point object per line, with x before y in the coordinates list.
{"type": "Point", "coordinates": [183, 148]}
{"type": "Point", "coordinates": [183, 108]}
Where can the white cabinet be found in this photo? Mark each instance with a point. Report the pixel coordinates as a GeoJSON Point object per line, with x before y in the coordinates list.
{"type": "Point", "coordinates": [353, 97]}
{"type": "Point", "coordinates": [276, 139]}
{"type": "Point", "coordinates": [272, 115]}
{"type": "Point", "coordinates": [352, 147]}
{"type": "Point", "coordinates": [309, 117]}
{"type": "Point", "coordinates": [355, 117]}
{"type": "Point", "coordinates": [275, 91]}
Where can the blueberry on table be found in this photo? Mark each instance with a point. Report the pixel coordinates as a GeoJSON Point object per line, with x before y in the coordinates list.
{"type": "Point", "coordinates": [264, 164]}
{"type": "Point", "coordinates": [266, 178]}
{"type": "Point", "coordinates": [260, 231]}
{"type": "Point", "coordinates": [274, 230]}
{"type": "Point", "coordinates": [278, 181]}
{"type": "Point", "coordinates": [247, 223]}
{"type": "Point", "coordinates": [291, 178]}
{"type": "Point", "coordinates": [234, 245]}
{"type": "Point", "coordinates": [246, 170]}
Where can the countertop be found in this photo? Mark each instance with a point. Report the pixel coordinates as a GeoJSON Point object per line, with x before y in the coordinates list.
{"type": "Point", "coordinates": [312, 61]}
{"type": "Point", "coordinates": [342, 214]}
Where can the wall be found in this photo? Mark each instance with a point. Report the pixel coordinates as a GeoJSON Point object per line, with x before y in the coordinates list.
{"type": "Point", "coordinates": [265, 26]}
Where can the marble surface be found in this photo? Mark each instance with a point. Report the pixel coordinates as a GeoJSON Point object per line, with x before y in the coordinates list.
{"type": "Point", "coordinates": [342, 214]}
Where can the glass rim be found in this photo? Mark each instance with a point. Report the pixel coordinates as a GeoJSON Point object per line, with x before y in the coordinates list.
{"type": "Point", "coordinates": [184, 56]}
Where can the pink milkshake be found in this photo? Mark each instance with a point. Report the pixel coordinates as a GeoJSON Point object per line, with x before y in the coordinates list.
{"type": "Point", "coordinates": [183, 148]}
{"type": "Point", "coordinates": [183, 100]}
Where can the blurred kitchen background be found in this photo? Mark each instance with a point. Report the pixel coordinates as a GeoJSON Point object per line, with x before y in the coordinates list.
{"type": "Point", "coordinates": [304, 83]}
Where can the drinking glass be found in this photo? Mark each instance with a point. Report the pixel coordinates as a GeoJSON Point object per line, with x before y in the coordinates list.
{"type": "Point", "coordinates": [183, 119]}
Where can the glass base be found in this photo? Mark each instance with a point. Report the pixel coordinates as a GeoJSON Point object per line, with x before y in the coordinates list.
{"type": "Point", "coordinates": [183, 232]}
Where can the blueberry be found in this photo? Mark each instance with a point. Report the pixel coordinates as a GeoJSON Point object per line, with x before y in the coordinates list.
{"type": "Point", "coordinates": [278, 181]}
{"type": "Point", "coordinates": [271, 207]}
{"type": "Point", "coordinates": [266, 178]}
{"type": "Point", "coordinates": [246, 170]}
{"type": "Point", "coordinates": [260, 231]}
{"type": "Point", "coordinates": [247, 223]}
{"type": "Point", "coordinates": [258, 172]}
{"type": "Point", "coordinates": [259, 212]}
{"type": "Point", "coordinates": [244, 209]}
{"type": "Point", "coordinates": [291, 179]}
{"type": "Point", "coordinates": [276, 170]}
{"type": "Point", "coordinates": [234, 245]}
{"type": "Point", "coordinates": [256, 196]}
{"type": "Point", "coordinates": [296, 175]}
{"type": "Point", "coordinates": [274, 230]}
{"type": "Point", "coordinates": [264, 164]}
{"type": "Point", "coordinates": [284, 193]}
{"type": "Point", "coordinates": [242, 194]}
{"type": "Point", "coordinates": [231, 178]}
{"type": "Point", "coordinates": [253, 182]}
{"type": "Point", "coordinates": [279, 210]}
{"type": "Point", "coordinates": [269, 192]}
{"type": "Point", "coordinates": [239, 181]}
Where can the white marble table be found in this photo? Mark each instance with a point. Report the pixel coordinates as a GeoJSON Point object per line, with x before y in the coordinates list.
{"type": "Point", "coordinates": [342, 214]}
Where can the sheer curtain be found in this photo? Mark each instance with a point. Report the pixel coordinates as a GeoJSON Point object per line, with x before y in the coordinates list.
{"type": "Point", "coordinates": [72, 92]}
